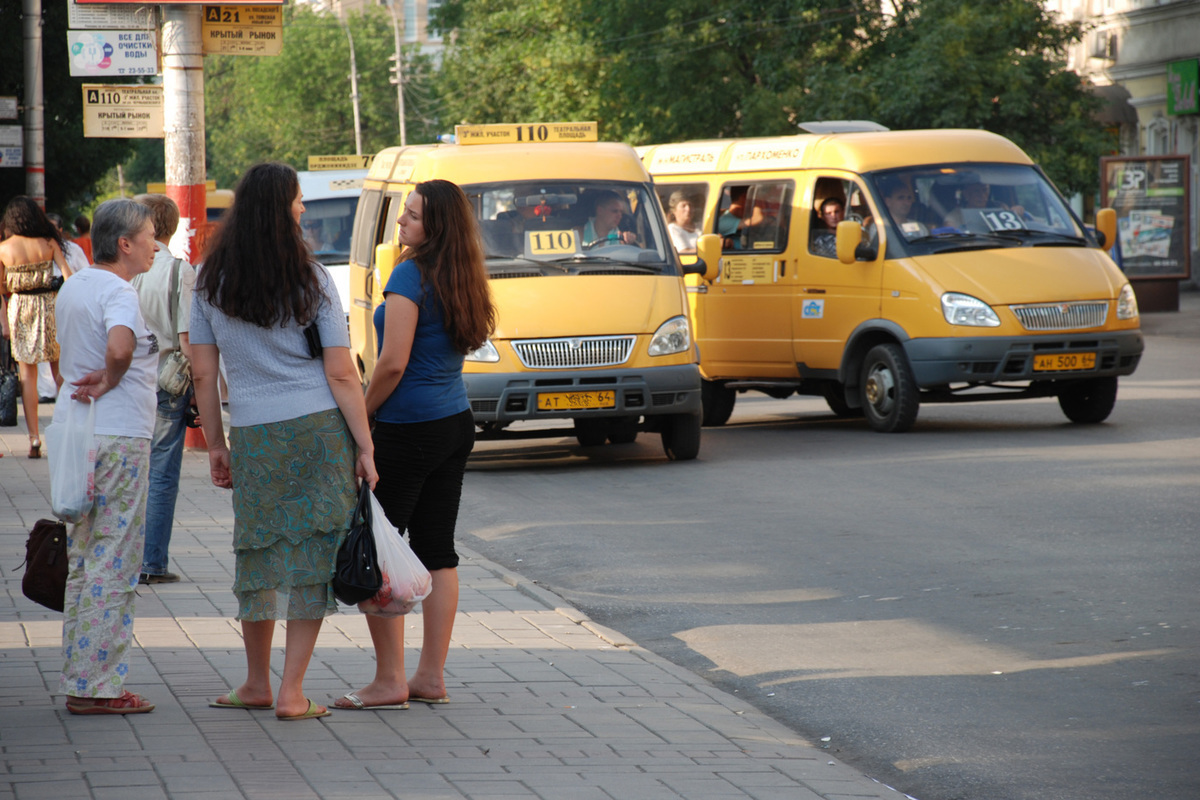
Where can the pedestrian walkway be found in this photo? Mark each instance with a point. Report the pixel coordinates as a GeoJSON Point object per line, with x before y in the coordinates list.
{"type": "Point", "coordinates": [544, 703]}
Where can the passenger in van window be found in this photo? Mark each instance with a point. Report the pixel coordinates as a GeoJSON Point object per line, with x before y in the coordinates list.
{"type": "Point", "coordinates": [681, 208]}
{"type": "Point", "coordinates": [605, 224]}
{"type": "Point", "coordinates": [899, 198]}
{"type": "Point", "coordinates": [314, 236]}
{"type": "Point", "coordinates": [975, 195]}
{"type": "Point", "coordinates": [824, 233]}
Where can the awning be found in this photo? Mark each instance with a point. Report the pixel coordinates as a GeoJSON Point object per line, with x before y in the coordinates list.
{"type": "Point", "coordinates": [1116, 109]}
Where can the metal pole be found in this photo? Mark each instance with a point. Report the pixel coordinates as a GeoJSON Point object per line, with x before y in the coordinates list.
{"type": "Point", "coordinates": [354, 90]}
{"type": "Point", "coordinates": [183, 122]}
{"type": "Point", "coordinates": [399, 73]}
{"type": "Point", "coordinates": [35, 104]}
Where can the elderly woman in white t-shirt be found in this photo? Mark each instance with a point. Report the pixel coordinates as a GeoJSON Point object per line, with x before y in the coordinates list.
{"type": "Point", "coordinates": [108, 357]}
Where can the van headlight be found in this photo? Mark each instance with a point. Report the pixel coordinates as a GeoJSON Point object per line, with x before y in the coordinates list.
{"type": "Point", "coordinates": [1127, 303]}
{"type": "Point", "coordinates": [673, 336]}
{"type": "Point", "coordinates": [487, 354]}
{"type": "Point", "coordinates": [962, 309]}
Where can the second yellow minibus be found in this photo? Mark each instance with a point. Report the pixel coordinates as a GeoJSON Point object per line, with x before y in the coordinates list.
{"type": "Point", "coordinates": [885, 269]}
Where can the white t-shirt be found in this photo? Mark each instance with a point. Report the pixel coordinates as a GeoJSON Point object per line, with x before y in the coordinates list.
{"type": "Point", "coordinates": [153, 288]}
{"type": "Point", "coordinates": [682, 238]}
{"type": "Point", "coordinates": [89, 305]}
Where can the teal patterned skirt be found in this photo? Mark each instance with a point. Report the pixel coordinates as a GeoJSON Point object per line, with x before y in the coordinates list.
{"type": "Point", "coordinates": [293, 495]}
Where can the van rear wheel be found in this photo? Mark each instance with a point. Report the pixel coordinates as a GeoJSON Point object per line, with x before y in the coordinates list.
{"type": "Point", "coordinates": [591, 432]}
{"type": "Point", "coordinates": [890, 397]}
{"type": "Point", "coordinates": [718, 402]}
{"type": "Point", "coordinates": [681, 436]}
{"type": "Point", "coordinates": [835, 396]}
{"type": "Point", "coordinates": [1089, 402]}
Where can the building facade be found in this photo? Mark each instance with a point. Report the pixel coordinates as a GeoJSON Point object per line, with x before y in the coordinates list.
{"type": "Point", "coordinates": [1143, 57]}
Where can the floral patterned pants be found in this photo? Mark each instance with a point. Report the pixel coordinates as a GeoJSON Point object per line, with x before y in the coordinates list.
{"type": "Point", "coordinates": [104, 552]}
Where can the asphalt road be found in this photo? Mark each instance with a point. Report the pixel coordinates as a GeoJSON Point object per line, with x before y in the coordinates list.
{"type": "Point", "coordinates": [998, 604]}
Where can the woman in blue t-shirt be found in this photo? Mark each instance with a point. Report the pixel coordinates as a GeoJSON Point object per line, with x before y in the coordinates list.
{"type": "Point", "coordinates": [437, 308]}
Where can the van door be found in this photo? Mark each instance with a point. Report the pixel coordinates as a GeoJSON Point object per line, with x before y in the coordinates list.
{"type": "Point", "coordinates": [833, 298]}
{"type": "Point", "coordinates": [747, 309]}
{"type": "Point", "coordinates": [374, 225]}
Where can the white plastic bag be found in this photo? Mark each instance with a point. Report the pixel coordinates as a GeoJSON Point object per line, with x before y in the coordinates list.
{"type": "Point", "coordinates": [406, 582]}
{"type": "Point", "coordinates": [71, 449]}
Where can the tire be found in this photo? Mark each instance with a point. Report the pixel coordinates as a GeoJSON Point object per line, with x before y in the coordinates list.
{"type": "Point", "coordinates": [718, 402]}
{"type": "Point", "coordinates": [623, 430]}
{"type": "Point", "coordinates": [1089, 402]}
{"type": "Point", "coordinates": [681, 436]}
{"type": "Point", "coordinates": [591, 432]}
{"type": "Point", "coordinates": [890, 398]}
{"type": "Point", "coordinates": [835, 396]}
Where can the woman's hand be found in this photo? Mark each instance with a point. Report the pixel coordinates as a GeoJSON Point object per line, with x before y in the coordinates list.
{"type": "Point", "coordinates": [364, 468]}
{"type": "Point", "coordinates": [218, 467]}
{"type": "Point", "coordinates": [92, 386]}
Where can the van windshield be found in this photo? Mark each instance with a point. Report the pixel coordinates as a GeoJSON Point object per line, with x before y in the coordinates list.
{"type": "Point", "coordinates": [327, 225]}
{"type": "Point", "coordinates": [571, 227]}
{"type": "Point", "coordinates": [956, 206]}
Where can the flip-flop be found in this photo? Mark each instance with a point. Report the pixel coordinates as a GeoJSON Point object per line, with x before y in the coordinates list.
{"type": "Point", "coordinates": [233, 701]}
{"type": "Point", "coordinates": [314, 712]}
{"type": "Point", "coordinates": [433, 701]}
{"type": "Point", "coordinates": [357, 704]}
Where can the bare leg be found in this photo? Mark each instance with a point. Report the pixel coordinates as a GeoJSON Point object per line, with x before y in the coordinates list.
{"type": "Point", "coordinates": [438, 612]}
{"type": "Point", "coordinates": [389, 686]}
{"type": "Point", "coordinates": [256, 691]}
{"type": "Point", "coordinates": [301, 639]}
{"type": "Point", "coordinates": [29, 399]}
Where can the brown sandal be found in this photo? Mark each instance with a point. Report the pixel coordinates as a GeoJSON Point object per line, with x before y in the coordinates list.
{"type": "Point", "coordinates": [35, 448]}
{"type": "Point", "coordinates": [128, 703]}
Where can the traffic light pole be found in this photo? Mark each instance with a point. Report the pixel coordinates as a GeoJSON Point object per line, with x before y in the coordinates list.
{"type": "Point", "coordinates": [35, 110]}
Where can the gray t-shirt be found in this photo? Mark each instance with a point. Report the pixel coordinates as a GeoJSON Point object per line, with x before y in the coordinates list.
{"type": "Point", "coordinates": [271, 376]}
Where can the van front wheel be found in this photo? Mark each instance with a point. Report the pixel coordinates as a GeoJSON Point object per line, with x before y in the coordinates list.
{"type": "Point", "coordinates": [681, 436]}
{"type": "Point", "coordinates": [1089, 402]}
{"type": "Point", "coordinates": [890, 398]}
{"type": "Point", "coordinates": [717, 401]}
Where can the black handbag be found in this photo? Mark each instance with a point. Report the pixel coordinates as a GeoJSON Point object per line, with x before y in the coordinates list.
{"type": "Point", "coordinates": [356, 576]}
{"type": "Point", "coordinates": [45, 581]}
{"type": "Point", "coordinates": [10, 386]}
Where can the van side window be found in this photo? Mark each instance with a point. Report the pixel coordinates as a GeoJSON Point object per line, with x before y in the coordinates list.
{"type": "Point", "coordinates": [683, 206]}
{"type": "Point", "coordinates": [754, 216]}
{"type": "Point", "coordinates": [829, 208]}
{"type": "Point", "coordinates": [367, 215]}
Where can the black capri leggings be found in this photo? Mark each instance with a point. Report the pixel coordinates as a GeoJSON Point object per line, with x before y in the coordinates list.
{"type": "Point", "coordinates": [421, 467]}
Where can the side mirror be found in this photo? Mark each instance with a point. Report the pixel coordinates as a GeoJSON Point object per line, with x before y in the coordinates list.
{"type": "Point", "coordinates": [386, 258]}
{"type": "Point", "coordinates": [850, 246]}
{"type": "Point", "coordinates": [694, 266]}
{"type": "Point", "coordinates": [1106, 227]}
{"type": "Point", "coordinates": [709, 251]}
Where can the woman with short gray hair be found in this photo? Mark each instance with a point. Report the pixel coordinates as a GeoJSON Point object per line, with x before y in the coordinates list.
{"type": "Point", "coordinates": [109, 357]}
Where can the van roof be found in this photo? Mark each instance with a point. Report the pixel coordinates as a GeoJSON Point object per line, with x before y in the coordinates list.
{"type": "Point", "coordinates": [489, 163]}
{"type": "Point", "coordinates": [324, 184]}
{"type": "Point", "coordinates": [857, 152]}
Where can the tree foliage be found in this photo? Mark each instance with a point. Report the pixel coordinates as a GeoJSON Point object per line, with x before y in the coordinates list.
{"type": "Point", "coordinates": [666, 71]}
{"type": "Point", "coordinates": [73, 164]}
{"type": "Point", "coordinates": [297, 104]}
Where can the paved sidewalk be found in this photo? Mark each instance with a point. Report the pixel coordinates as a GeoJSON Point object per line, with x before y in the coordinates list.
{"type": "Point", "coordinates": [545, 704]}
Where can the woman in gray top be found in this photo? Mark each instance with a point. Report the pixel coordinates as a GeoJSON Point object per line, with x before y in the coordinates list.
{"type": "Point", "coordinates": [298, 427]}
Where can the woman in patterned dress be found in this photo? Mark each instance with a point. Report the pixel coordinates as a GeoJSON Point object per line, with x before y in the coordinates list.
{"type": "Point", "coordinates": [110, 358]}
{"type": "Point", "coordinates": [298, 432]}
{"type": "Point", "coordinates": [27, 259]}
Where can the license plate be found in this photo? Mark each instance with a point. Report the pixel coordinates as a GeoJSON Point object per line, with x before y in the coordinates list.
{"type": "Point", "coordinates": [567, 401]}
{"type": "Point", "coordinates": [1064, 362]}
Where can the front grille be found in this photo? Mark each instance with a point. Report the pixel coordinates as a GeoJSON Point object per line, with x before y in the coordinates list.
{"type": "Point", "coordinates": [585, 351]}
{"type": "Point", "coordinates": [1061, 316]}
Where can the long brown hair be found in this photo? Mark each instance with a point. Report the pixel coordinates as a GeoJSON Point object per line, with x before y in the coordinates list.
{"type": "Point", "coordinates": [258, 267]}
{"type": "Point", "coordinates": [451, 264]}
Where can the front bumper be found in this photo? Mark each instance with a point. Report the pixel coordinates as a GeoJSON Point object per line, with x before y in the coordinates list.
{"type": "Point", "coordinates": [510, 397]}
{"type": "Point", "coordinates": [989, 359]}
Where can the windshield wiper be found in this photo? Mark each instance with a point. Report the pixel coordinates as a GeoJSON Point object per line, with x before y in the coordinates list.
{"type": "Point", "coordinates": [521, 260]}
{"type": "Point", "coordinates": [1063, 238]}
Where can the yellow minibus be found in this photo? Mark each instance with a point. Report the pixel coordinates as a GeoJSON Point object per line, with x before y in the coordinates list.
{"type": "Point", "coordinates": [592, 325]}
{"type": "Point", "coordinates": [886, 269]}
